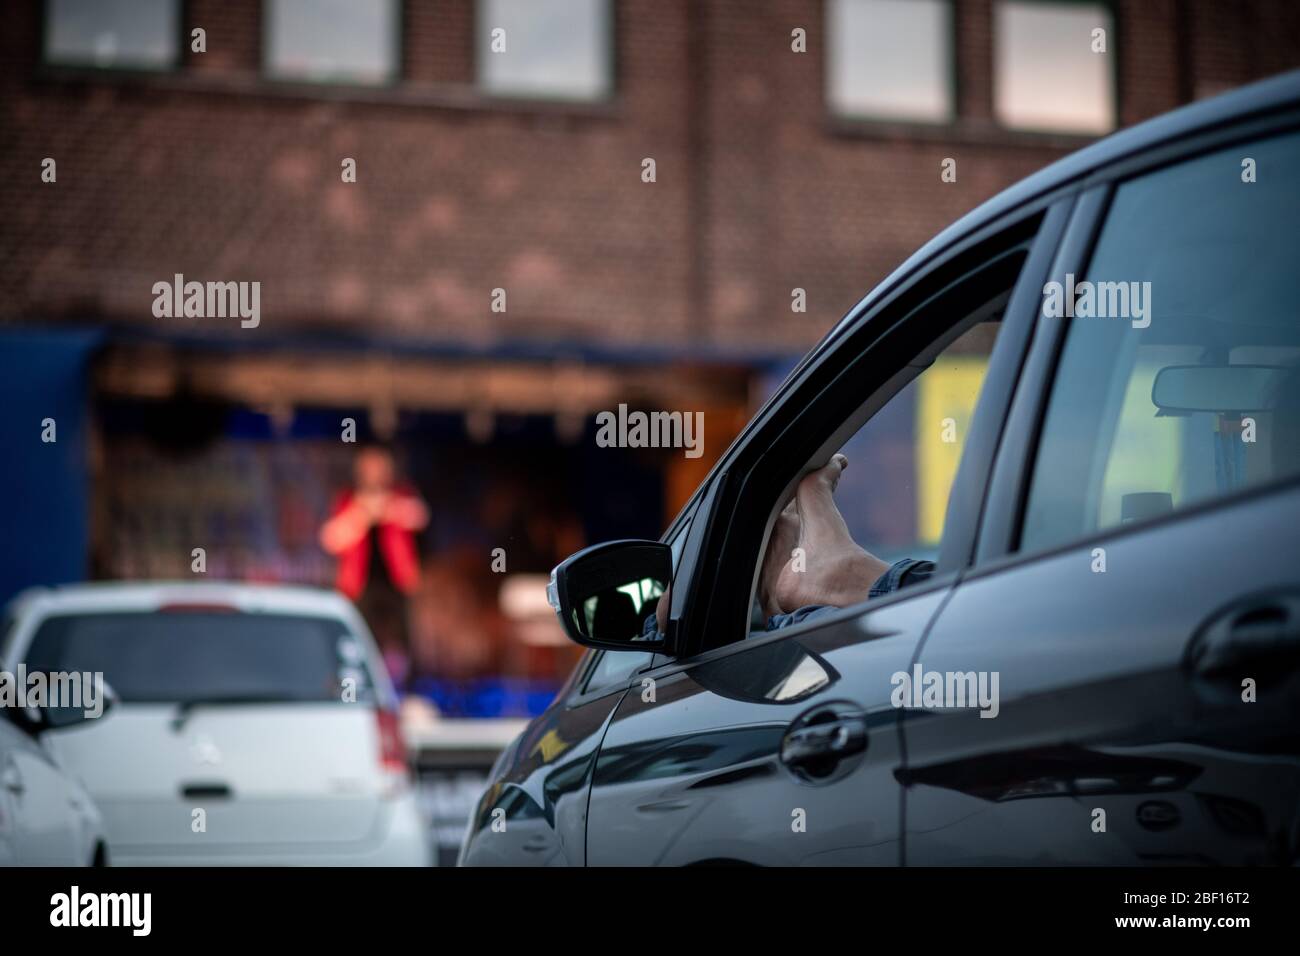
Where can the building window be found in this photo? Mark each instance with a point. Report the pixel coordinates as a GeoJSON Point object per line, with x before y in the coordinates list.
{"type": "Point", "coordinates": [332, 41]}
{"type": "Point", "coordinates": [1046, 73]}
{"type": "Point", "coordinates": [113, 34]}
{"type": "Point", "coordinates": [554, 49]}
{"type": "Point", "coordinates": [890, 59]}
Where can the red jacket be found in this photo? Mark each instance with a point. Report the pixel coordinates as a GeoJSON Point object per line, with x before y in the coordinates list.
{"type": "Point", "coordinates": [396, 544]}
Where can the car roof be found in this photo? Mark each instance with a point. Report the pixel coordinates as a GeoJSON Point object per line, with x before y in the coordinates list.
{"type": "Point", "coordinates": [151, 595]}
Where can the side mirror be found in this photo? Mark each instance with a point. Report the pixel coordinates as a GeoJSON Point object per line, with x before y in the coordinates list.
{"type": "Point", "coordinates": [605, 594]}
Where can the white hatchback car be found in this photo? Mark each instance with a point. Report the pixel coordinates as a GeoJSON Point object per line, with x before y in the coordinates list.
{"type": "Point", "coordinates": [253, 724]}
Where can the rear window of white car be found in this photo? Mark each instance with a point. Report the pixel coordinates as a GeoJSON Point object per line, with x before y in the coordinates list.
{"type": "Point", "coordinates": [214, 656]}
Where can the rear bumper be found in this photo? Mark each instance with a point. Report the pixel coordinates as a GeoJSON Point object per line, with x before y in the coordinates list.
{"type": "Point", "coordinates": [403, 841]}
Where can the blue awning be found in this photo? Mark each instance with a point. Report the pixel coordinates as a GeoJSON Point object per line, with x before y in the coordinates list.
{"type": "Point", "coordinates": [43, 485]}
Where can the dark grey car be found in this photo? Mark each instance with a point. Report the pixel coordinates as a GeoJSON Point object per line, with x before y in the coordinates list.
{"type": "Point", "coordinates": [1116, 593]}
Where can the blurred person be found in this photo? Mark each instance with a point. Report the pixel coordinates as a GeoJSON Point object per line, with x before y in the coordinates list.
{"type": "Point", "coordinates": [371, 530]}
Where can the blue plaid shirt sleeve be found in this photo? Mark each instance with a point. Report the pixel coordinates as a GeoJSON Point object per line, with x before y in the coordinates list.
{"type": "Point", "coordinates": [902, 573]}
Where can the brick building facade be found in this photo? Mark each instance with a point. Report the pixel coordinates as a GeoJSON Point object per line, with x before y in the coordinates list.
{"type": "Point", "coordinates": [211, 171]}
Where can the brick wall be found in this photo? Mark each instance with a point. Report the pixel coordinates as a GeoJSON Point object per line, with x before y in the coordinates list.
{"type": "Point", "coordinates": [214, 173]}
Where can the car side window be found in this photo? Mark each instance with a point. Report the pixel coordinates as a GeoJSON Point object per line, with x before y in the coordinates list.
{"type": "Point", "coordinates": [902, 461]}
{"type": "Point", "coordinates": [1179, 380]}
{"type": "Point", "coordinates": [615, 667]}
{"type": "Point", "coordinates": [879, 527]}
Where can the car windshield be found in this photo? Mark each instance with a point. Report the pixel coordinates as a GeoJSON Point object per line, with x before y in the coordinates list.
{"type": "Point", "coordinates": [206, 656]}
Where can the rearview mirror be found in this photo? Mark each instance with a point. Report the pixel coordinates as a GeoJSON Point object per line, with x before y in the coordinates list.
{"type": "Point", "coordinates": [605, 594]}
{"type": "Point", "coordinates": [1217, 388]}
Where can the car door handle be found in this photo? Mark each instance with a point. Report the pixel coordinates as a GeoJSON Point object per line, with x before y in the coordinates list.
{"type": "Point", "coordinates": [1257, 637]}
{"type": "Point", "coordinates": [836, 738]}
{"type": "Point", "coordinates": [820, 741]}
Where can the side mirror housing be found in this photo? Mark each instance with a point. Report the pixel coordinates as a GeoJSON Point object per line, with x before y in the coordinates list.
{"type": "Point", "coordinates": [605, 595]}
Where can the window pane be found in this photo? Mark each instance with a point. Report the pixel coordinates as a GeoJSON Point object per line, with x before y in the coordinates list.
{"type": "Point", "coordinates": [615, 666]}
{"type": "Point", "coordinates": [890, 59]}
{"type": "Point", "coordinates": [1046, 75]}
{"type": "Point", "coordinates": [344, 41]}
{"type": "Point", "coordinates": [152, 657]}
{"type": "Point", "coordinates": [139, 34]}
{"type": "Point", "coordinates": [902, 462]}
{"type": "Point", "coordinates": [1219, 257]}
{"type": "Point", "coordinates": [551, 48]}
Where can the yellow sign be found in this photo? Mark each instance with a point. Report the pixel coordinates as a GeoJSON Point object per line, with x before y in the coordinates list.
{"type": "Point", "coordinates": [945, 402]}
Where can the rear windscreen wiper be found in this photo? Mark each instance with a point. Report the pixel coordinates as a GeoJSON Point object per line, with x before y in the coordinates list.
{"type": "Point", "coordinates": [187, 707]}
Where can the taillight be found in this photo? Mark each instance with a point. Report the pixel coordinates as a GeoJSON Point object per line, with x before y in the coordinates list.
{"type": "Point", "coordinates": [392, 748]}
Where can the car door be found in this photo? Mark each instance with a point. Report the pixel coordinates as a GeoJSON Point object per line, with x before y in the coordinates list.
{"type": "Point", "coordinates": [1137, 586]}
{"type": "Point", "coordinates": [781, 748]}
{"type": "Point", "coordinates": [534, 811]}
{"type": "Point", "coordinates": [39, 803]}
{"type": "Point", "coordinates": [9, 783]}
